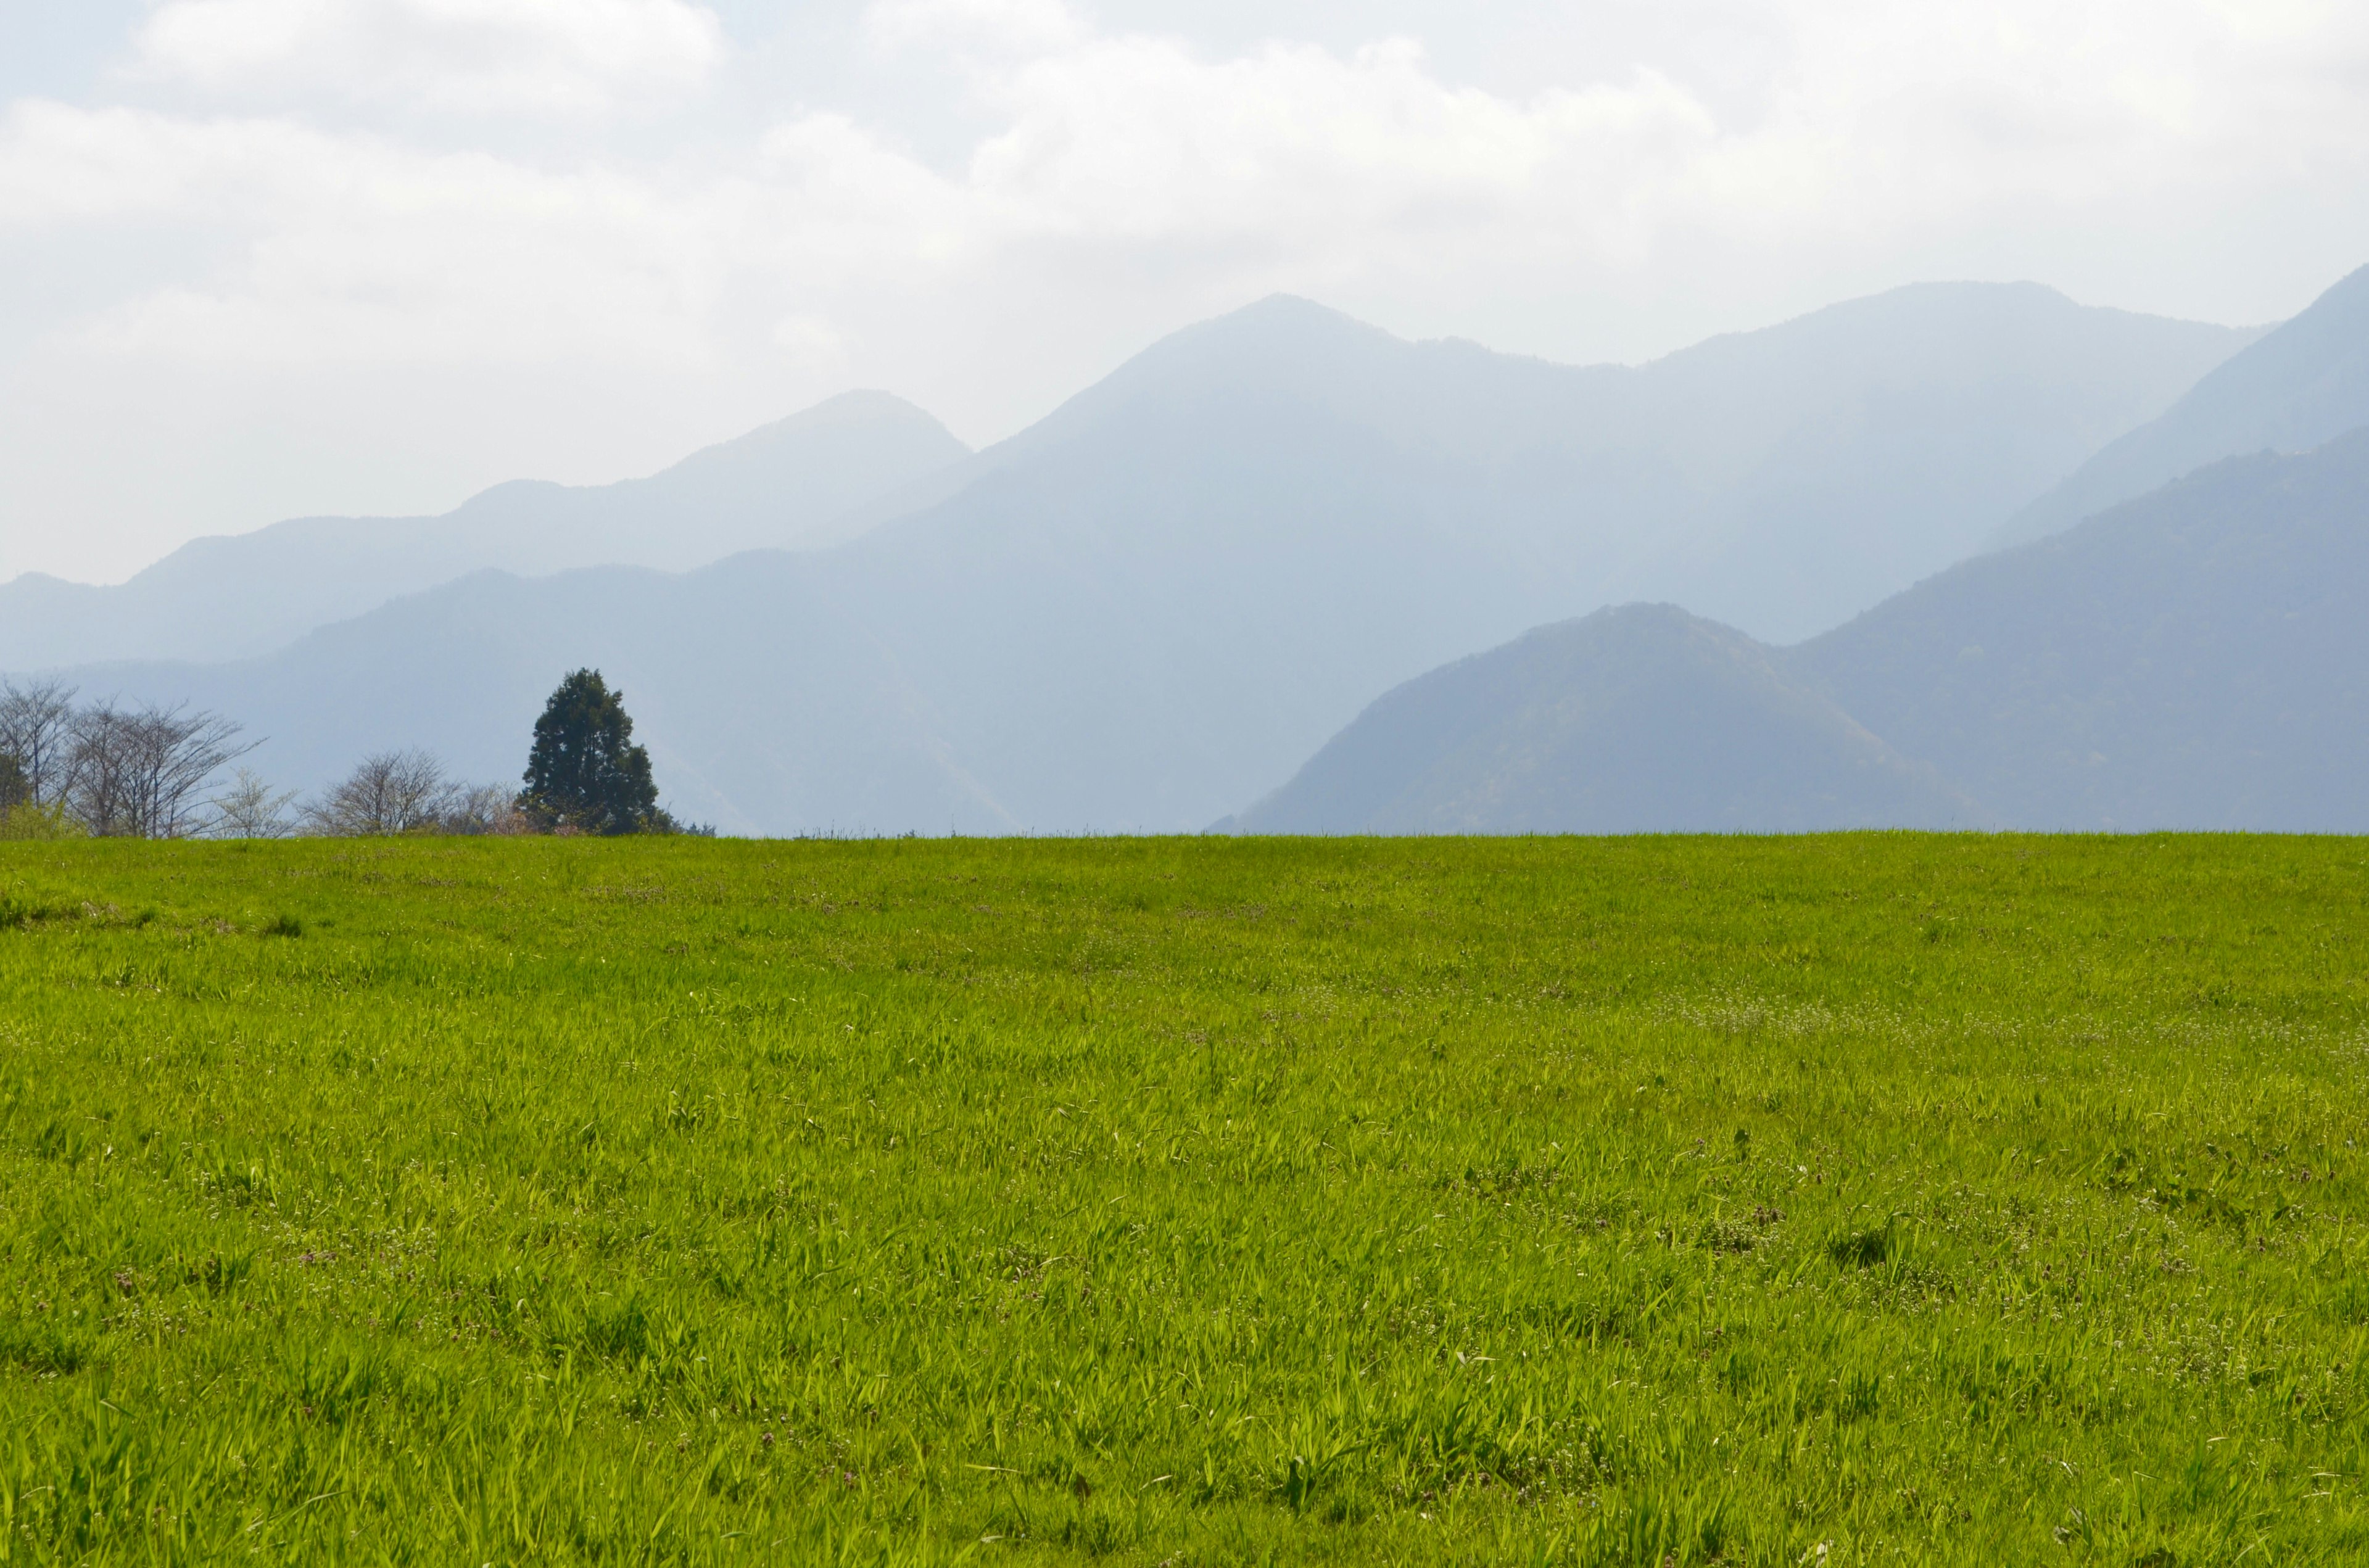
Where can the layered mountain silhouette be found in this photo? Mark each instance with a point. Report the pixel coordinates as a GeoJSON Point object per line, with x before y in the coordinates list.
{"type": "Point", "coordinates": [799, 483]}
{"type": "Point", "coordinates": [2302, 384]}
{"type": "Point", "coordinates": [1638, 720]}
{"type": "Point", "coordinates": [1783, 479]}
{"type": "Point", "coordinates": [2196, 659]}
{"type": "Point", "coordinates": [1161, 598]}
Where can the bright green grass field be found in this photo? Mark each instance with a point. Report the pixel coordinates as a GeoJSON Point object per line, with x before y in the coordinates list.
{"type": "Point", "coordinates": [1845, 1200]}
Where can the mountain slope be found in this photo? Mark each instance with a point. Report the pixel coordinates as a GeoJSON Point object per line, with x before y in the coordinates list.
{"type": "Point", "coordinates": [797, 482]}
{"type": "Point", "coordinates": [2197, 658]}
{"type": "Point", "coordinates": [2302, 384]}
{"type": "Point", "coordinates": [463, 669]}
{"type": "Point", "coordinates": [1842, 457]}
{"type": "Point", "coordinates": [1164, 597]}
{"type": "Point", "coordinates": [1782, 479]}
{"type": "Point", "coordinates": [1640, 719]}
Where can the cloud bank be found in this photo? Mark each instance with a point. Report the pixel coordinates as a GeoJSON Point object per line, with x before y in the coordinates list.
{"type": "Point", "coordinates": [470, 56]}
{"type": "Point", "coordinates": [355, 254]}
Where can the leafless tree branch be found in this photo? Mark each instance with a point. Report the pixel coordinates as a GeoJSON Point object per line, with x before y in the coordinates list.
{"type": "Point", "coordinates": [249, 809]}
{"type": "Point", "coordinates": [140, 773]}
{"type": "Point", "coordinates": [36, 730]}
{"type": "Point", "coordinates": [390, 792]}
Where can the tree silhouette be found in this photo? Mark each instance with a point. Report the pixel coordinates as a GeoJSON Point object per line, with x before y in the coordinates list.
{"type": "Point", "coordinates": [392, 791]}
{"type": "Point", "coordinates": [36, 728]}
{"type": "Point", "coordinates": [584, 772]}
{"type": "Point", "coordinates": [140, 772]}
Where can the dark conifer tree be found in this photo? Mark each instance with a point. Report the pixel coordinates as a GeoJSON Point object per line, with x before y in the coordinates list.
{"type": "Point", "coordinates": [585, 771]}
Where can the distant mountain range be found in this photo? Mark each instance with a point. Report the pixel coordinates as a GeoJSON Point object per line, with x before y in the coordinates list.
{"type": "Point", "coordinates": [1166, 596]}
{"type": "Point", "coordinates": [2198, 658]}
{"type": "Point", "coordinates": [1638, 720]}
{"type": "Point", "coordinates": [2300, 386]}
{"type": "Point", "coordinates": [797, 483]}
{"type": "Point", "coordinates": [1783, 478]}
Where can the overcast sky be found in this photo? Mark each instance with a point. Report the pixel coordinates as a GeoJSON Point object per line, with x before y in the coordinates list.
{"type": "Point", "coordinates": [267, 258]}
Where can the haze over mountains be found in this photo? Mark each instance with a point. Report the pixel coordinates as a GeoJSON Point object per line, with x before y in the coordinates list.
{"type": "Point", "coordinates": [1163, 599]}
{"type": "Point", "coordinates": [2303, 384]}
{"type": "Point", "coordinates": [799, 483]}
{"type": "Point", "coordinates": [2197, 658]}
{"type": "Point", "coordinates": [1637, 719]}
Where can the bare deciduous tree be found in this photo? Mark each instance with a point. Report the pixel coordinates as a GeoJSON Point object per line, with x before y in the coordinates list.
{"type": "Point", "coordinates": [104, 768]}
{"type": "Point", "coordinates": [391, 791]}
{"type": "Point", "coordinates": [250, 809]}
{"type": "Point", "coordinates": [139, 773]}
{"type": "Point", "coordinates": [36, 730]}
{"type": "Point", "coordinates": [486, 809]}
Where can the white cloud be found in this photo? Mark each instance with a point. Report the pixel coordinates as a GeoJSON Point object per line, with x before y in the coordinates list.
{"type": "Point", "coordinates": [1121, 184]}
{"type": "Point", "coordinates": [357, 250]}
{"type": "Point", "coordinates": [1294, 153]}
{"type": "Point", "coordinates": [957, 25]}
{"type": "Point", "coordinates": [567, 56]}
{"type": "Point", "coordinates": [1286, 166]}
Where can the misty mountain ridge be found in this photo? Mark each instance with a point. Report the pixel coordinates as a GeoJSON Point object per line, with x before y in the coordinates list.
{"type": "Point", "coordinates": [799, 483]}
{"type": "Point", "coordinates": [2196, 658]}
{"type": "Point", "coordinates": [2302, 384]}
{"type": "Point", "coordinates": [1836, 457]}
{"type": "Point", "coordinates": [1168, 594]}
{"type": "Point", "coordinates": [2193, 659]}
{"type": "Point", "coordinates": [1637, 719]}
{"type": "Point", "coordinates": [1783, 479]}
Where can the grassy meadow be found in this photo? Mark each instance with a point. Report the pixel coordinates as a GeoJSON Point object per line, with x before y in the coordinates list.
{"type": "Point", "coordinates": [1847, 1200]}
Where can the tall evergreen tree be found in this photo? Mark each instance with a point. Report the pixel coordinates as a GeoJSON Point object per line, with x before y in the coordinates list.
{"type": "Point", "coordinates": [584, 770]}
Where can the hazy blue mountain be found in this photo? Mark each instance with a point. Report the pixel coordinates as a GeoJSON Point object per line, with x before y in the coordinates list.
{"type": "Point", "coordinates": [1830, 462]}
{"type": "Point", "coordinates": [2302, 384]}
{"type": "Point", "coordinates": [1638, 720]}
{"type": "Point", "coordinates": [1160, 599]}
{"type": "Point", "coordinates": [1783, 479]}
{"type": "Point", "coordinates": [797, 482]}
{"type": "Point", "coordinates": [2196, 658]}
{"type": "Point", "coordinates": [768, 702]}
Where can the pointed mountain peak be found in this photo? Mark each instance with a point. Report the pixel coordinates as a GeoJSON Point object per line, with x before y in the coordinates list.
{"type": "Point", "coordinates": [2299, 385]}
